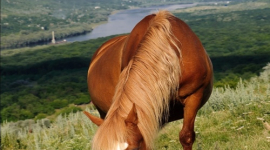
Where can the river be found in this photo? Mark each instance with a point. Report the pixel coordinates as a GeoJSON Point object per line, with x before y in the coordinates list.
{"type": "Point", "coordinates": [124, 21]}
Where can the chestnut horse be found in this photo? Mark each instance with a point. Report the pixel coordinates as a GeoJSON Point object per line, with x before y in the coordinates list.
{"type": "Point", "coordinates": [138, 82]}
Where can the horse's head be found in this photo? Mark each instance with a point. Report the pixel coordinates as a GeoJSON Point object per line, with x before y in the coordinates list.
{"type": "Point", "coordinates": [134, 138]}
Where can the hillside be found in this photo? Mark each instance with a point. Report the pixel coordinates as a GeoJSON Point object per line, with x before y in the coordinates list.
{"type": "Point", "coordinates": [40, 83]}
{"type": "Point", "coordinates": [36, 82]}
{"type": "Point", "coordinates": [237, 117]}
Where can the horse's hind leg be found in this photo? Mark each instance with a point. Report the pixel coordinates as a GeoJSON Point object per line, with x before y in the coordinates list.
{"type": "Point", "coordinates": [191, 106]}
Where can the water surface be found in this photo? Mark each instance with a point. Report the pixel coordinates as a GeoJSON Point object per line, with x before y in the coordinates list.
{"type": "Point", "coordinates": [124, 21]}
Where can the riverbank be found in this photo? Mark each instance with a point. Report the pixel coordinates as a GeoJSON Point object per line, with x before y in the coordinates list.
{"type": "Point", "coordinates": [19, 41]}
{"type": "Point", "coordinates": [30, 39]}
{"type": "Point", "coordinates": [11, 52]}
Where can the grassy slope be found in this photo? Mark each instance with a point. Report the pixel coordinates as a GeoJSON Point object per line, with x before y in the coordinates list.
{"type": "Point", "coordinates": [232, 119]}
{"type": "Point", "coordinates": [59, 72]}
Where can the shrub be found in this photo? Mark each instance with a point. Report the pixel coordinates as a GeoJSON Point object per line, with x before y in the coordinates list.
{"type": "Point", "coordinates": [68, 110]}
{"type": "Point", "coordinates": [40, 116]}
{"type": "Point", "coordinates": [59, 103]}
{"type": "Point", "coordinates": [44, 123]}
{"type": "Point", "coordinates": [82, 99]}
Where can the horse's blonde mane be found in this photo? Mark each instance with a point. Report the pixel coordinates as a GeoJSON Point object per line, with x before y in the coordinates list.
{"type": "Point", "coordinates": [149, 81]}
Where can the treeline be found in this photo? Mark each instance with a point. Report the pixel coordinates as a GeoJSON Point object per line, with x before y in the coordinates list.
{"type": "Point", "coordinates": [26, 38]}
{"type": "Point", "coordinates": [35, 83]}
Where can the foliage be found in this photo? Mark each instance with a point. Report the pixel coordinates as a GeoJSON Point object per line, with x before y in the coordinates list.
{"type": "Point", "coordinates": [83, 99]}
{"type": "Point", "coordinates": [68, 110]}
{"type": "Point", "coordinates": [40, 116]}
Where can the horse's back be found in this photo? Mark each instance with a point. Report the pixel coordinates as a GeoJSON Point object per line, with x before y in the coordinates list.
{"type": "Point", "coordinates": [104, 72]}
{"type": "Point", "coordinates": [113, 56]}
{"type": "Point", "coordinates": [134, 39]}
{"type": "Point", "coordinates": [195, 63]}
{"type": "Point", "coordinates": [196, 67]}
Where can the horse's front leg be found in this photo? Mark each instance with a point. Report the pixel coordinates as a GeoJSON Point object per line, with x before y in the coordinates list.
{"type": "Point", "coordinates": [191, 105]}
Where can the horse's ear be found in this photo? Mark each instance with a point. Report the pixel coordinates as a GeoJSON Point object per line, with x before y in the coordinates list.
{"type": "Point", "coordinates": [96, 120]}
{"type": "Point", "coordinates": [132, 116]}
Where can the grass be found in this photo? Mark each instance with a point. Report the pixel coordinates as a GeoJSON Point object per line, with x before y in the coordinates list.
{"type": "Point", "coordinates": [74, 131]}
{"type": "Point", "coordinates": [231, 119]}
{"type": "Point", "coordinates": [220, 130]}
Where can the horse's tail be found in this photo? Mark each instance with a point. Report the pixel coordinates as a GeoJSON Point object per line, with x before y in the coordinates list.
{"type": "Point", "coordinates": [157, 64]}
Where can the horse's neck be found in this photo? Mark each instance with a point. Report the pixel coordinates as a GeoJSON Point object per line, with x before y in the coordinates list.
{"type": "Point", "coordinates": [150, 74]}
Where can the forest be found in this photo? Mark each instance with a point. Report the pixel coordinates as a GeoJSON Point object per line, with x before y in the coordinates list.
{"type": "Point", "coordinates": [37, 82]}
